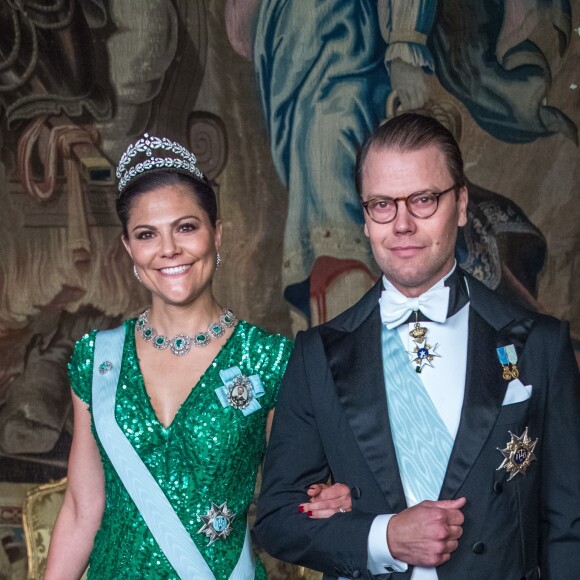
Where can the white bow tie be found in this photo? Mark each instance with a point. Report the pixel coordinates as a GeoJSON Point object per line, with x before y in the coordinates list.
{"type": "Point", "coordinates": [396, 308]}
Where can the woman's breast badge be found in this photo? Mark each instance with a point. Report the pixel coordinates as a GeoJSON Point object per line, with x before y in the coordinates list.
{"type": "Point", "coordinates": [239, 391]}
{"type": "Point", "coordinates": [217, 522]}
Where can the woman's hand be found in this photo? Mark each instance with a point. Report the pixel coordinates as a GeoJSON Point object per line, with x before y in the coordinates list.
{"type": "Point", "coordinates": [326, 500]}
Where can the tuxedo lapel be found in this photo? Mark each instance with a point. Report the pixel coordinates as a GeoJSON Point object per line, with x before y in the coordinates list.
{"type": "Point", "coordinates": [356, 365]}
{"type": "Point", "coordinates": [491, 324]}
{"type": "Point", "coordinates": [484, 392]}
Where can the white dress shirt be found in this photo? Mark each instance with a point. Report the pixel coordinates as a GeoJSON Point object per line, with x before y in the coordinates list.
{"type": "Point", "coordinates": [445, 384]}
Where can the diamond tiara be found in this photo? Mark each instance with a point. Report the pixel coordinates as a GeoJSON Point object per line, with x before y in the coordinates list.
{"type": "Point", "coordinates": [130, 166]}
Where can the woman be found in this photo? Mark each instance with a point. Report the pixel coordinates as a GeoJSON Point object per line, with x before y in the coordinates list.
{"type": "Point", "coordinates": [163, 465]}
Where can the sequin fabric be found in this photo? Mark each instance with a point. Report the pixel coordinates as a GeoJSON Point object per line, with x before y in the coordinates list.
{"type": "Point", "coordinates": [208, 454]}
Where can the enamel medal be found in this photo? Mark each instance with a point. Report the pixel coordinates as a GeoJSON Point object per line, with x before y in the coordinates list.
{"type": "Point", "coordinates": [423, 353]}
{"type": "Point", "coordinates": [518, 454]}
{"type": "Point", "coordinates": [240, 393]}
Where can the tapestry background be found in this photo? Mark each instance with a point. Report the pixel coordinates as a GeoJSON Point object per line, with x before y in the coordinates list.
{"type": "Point", "coordinates": [274, 98]}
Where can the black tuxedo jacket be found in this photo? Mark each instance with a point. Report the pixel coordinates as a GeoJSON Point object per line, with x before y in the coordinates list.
{"type": "Point", "coordinates": [332, 421]}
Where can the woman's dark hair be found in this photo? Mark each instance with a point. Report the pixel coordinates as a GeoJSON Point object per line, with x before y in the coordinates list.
{"type": "Point", "coordinates": [201, 190]}
{"type": "Point", "coordinates": [412, 132]}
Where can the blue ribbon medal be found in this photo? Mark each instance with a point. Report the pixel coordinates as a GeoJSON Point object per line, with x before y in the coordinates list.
{"type": "Point", "coordinates": [508, 357]}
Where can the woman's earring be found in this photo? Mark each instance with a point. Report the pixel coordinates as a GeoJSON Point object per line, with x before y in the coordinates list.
{"type": "Point", "coordinates": [136, 273]}
{"type": "Point", "coordinates": [218, 260]}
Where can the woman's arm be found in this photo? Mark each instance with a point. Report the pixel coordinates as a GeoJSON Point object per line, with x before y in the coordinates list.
{"type": "Point", "coordinates": [82, 509]}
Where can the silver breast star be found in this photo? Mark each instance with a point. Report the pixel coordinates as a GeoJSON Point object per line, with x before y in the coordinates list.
{"type": "Point", "coordinates": [217, 522]}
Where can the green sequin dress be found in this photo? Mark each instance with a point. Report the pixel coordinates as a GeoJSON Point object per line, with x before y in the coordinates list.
{"type": "Point", "coordinates": [208, 454]}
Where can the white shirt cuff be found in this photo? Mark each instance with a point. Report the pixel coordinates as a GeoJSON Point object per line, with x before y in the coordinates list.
{"type": "Point", "coordinates": [379, 558]}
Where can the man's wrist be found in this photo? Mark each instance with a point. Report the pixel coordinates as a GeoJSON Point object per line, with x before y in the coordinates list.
{"type": "Point", "coordinates": [380, 559]}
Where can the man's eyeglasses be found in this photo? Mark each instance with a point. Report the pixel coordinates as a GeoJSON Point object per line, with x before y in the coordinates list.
{"type": "Point", "coordinates": [422, 205]}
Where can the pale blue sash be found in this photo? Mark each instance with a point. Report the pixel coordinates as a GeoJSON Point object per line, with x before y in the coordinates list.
{"type": "Point", "coordinates": [422, 442]}
{"type": "Point", "coordinates": [152, 503]}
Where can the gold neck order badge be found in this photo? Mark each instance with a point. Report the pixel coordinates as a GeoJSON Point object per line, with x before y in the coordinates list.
{"type": "Point", "coordinates": [423, 353]}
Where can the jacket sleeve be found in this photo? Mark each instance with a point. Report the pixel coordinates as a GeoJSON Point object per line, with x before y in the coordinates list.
{"type": "Point", "coordinates": [560, 488]}
{"type": "Point", "coordinates": [296, 459]}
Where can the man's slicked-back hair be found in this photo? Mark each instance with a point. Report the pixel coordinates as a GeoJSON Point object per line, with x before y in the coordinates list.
{"type": "Point", "coordinates": [412, 132]}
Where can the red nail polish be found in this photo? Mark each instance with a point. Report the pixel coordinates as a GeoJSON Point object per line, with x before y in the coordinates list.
{"type": "Point", "coordinates": [301, 509]}
{"type": "Point", "coordinates": [309, 514]}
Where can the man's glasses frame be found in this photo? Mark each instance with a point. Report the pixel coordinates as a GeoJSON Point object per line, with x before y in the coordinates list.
{"type": "Point", "coordinates": [413, 197]}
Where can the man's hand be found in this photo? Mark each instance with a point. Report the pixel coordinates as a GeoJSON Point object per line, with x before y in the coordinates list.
{"type": "Point", "coordinates": [327, 500]}
{"type": "Point", "coordinates": [426, 534]}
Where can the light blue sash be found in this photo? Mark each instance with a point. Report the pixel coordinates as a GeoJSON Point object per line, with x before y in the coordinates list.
{"type": "Point", "coordinates": [152, 503]}
{"type": "Point", "coordinates": [422, 442]}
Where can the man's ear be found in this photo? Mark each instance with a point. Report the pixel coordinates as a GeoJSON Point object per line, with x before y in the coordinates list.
{"type": "Point", "coordinates": [462, 200]}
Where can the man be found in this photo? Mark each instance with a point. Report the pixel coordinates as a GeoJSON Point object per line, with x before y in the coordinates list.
{"type": "Point", "coordinates": [453, 416]}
